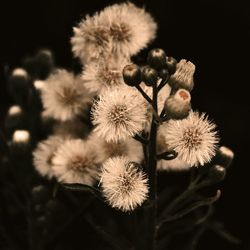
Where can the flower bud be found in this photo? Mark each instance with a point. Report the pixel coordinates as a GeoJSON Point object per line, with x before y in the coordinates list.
{"type": "Point", "coordinates": [149, 76]}
{"type": "Point", "coordinates": [171, 64]}
{"type": "Point", "coordinates": [164, 74]}
{"type": "Point", "coordinates": [157, 58]}
{"type": "Point", "coordinates": [132, 75]}
{"type": "Point", "coordinates": [224, 157]}
{"type": "Point", "coordinates": [183, 76]}
{"type": "Point", "coordinates": [216, 174]}
{"type": "Point", "coordinates": [19, 85]}
{"type": "Point", "coordinates": [178, 106]}
{"type": "Point", "coordinates": [15, 119]}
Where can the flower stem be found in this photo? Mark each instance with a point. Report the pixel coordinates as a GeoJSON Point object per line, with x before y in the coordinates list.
{"type": "Point", "coordinates": [151, 211]}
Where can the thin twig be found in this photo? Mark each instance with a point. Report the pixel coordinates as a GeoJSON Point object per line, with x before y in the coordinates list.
{"type": "Point", "coordinates": [148, 99]}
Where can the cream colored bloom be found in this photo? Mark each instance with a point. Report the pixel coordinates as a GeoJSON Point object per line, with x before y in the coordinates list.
{"type": "Point", "coordinates": [193, 138]}
{"type": "Point", "coordinates": [64, 96]}
{"type": "Point", "coordinates": [124, 185]}
{"type": "Point", "coordinates": [119, 114]}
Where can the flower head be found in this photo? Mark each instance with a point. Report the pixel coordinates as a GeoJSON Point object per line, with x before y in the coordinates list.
{"type": "Point", "coordinates": [130, 28]}
{"type": "Point", "coordinates": [76, 161]}
{"type": "Point", "coordinates": [130, 148]}
{"type": "Point", "coordinates": [64, 96]}
{"type": "Point", "coordinates": [124, 185]}
{"type": "Point", "coordinates": [119, 114]}
{"type": "Point", "coordinates": [107, 73]}
{"type": "Point", "coordinates": [183, 76]}
{"type": "Point", "coordinates": [90, 40]}
{"type": "Point", "coordinates": [21, 136]}
{"type": "Point", "coordinates": [193, 138]}
{"type": "Point", "coordinates": [43, 154]}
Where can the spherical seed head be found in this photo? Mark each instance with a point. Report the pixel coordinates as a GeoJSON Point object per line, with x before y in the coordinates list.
{"type": "Point", "coordinates": [132, 75]}
{"type": "Point", "coordinates": [149, 76]}
{"type": "Point", "coordinates": [124, 185]}
{"type": "Point", "coordinates": [171, 64]}
{"type": "Point", "coordinates": [157, 58]}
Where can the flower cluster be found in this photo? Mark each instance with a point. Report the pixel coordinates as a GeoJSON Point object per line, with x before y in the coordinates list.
{"type": "Point", "coordinates": [132, 109]}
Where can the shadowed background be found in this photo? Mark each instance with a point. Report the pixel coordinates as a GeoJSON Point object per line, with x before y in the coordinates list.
{"type": "Point", "coordinates": [214, 35]}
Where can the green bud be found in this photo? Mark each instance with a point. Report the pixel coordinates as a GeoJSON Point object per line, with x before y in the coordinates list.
{"type": "Point", "coordinates": [132, 75]}
{"type": "Point", "coordinates": [149, 76]}
{"type": "Point", "coordinates": [171, 64]}
{"type": "Point", "coordinates": [157, 58]}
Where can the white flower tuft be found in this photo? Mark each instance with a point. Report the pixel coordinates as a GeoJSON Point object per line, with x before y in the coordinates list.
{"type": "Point", "coordinates": [107, 73]}
{"type": "Point", "coordinates": [124, 185]}
{"type": "Point", "coordinates": [15, 110]}
{"type": "Point", "coordinates": [119, 113]}
{"type": "Point", "coordinates": [130, 148]}
{"type": "Point", "coordinates": [76, 161]}
{"type": "Point", "coordinates": [43, 154]}
{"type": "Point", "coordinates": [20, 73]}
{"type": "Point", "coordinates": [131, 28]}
{"type": "Point", "coordinates": [193, 138]}
{"type": "Point", "coordinates": [64, 96]}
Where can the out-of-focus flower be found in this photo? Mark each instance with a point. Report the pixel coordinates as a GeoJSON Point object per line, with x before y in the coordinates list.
{"type": "Point", "coordinates": [183, 76]}
{"type": "Point", "coordinates": [21, 137]}
{"type": "Point", "coordinates": [108, 73]}
{"type": "Point", "coordinates": [124, 185]}
{"type": "Point", "coordinates": [76, 161]}
{"type": "Point", "coordinates": [119, 114]}
{"type": "Point", "coordinates": [64, 96]}
{"type": "Point", "coordinates": [130, 148]}
{"type": "Point", "coordinates": [43, 154]}
{"type": "Point", "coordinates": [193, 138]}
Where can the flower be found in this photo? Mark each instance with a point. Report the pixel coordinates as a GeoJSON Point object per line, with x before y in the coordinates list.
{"type": "Point", "coordinates": [43, 154]}
{"type": "Point", "coordinates": [15, 110]}
{"type": "Point", "coordinates": [183, 76]}
{"type": "Point", "coordinates": [107, 73]}
{"type": "Point", "coordinates": [119, 114]}
{"type": "Point", "coordinates": [64, 96]}
{"type": "Point", "coordinates": [90, 40]}
{"type": "Point", "coordinates": [193, 138]}
{"type": "Point", "coordinates": [19, 72]}
{"type": "Point", "coordinates": [124, 185]}
{"type": "Point", "coordinates": [76, 161]}
{"type": "Point", "coordinates": [131, 28]}
{"type": "Point", "coordinates": [130, 148]}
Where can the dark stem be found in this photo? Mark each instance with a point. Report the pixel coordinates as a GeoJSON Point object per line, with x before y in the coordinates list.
{"type": "Point", "coordinates": [144, 94]}
{"type": "Point", "coordinates": [151, 211]}
{"type": "Point", "coordinates": [162, 83]}
{"type": "Point", "coordinates": [140, 139]}
{"type": "Point", "coordinates": [169, 155]}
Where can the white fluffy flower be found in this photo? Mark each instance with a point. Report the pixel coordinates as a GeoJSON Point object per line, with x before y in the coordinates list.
{"type": "Point", "coordinates": [124, 185]}
{"type": "Point", "coordinates": [64, 96]}
{"type": "Point", "coordinates": [119, 114]}
{"type": "Point", "coordinates": [130, 148]}
{"type": "Point", "coordinates": [43, 154]}
{"type": "Point", "coordinates": [193, 138]}
{"type": "Point", "coordinates": [131, 28]}
{"type": "Point", "coordinates": [76, 161]}
{"type": "Point", "coordinates": [21, 136]}
{"type": "Point", "coordinates": [90, 40]}
{"type": "Point", "coordinates": [183, 76]}
{"type": "Point", "coordinates": [107, 73]}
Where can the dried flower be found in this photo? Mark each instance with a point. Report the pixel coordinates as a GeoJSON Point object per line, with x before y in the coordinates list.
{"type": "Point", "coordinates": [90, 40]}
{"type": "Point", "coordinates": [119, 114]}
{"type": "Point", "coordinates": [124, 185]}
{"type": "Point", "coordinates": [107, 73]}
{"type": "Point", "coordinates": [130, 148]}
{"type": "Point", "coordinates": [64, 96]}
{"type": "Point", "coordinates": [43, 154]}
{"type": "Point", "coordinates": [76, 161]}
{"type": "Point", "coordinates": [131, 28]}
{"type": "Point", "coordinates": [193, 138]}
{"type": "Point", "coordinates": [183, 76]}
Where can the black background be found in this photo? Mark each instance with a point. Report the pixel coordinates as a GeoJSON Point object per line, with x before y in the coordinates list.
{"type": "Point", "coordinates": [215, 35]}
